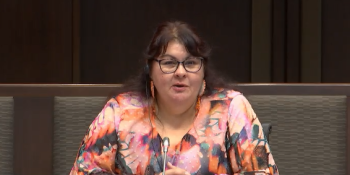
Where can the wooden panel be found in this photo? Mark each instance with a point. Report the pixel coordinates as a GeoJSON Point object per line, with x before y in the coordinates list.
{"type": "Point", "coordinates": [113, 38]}
{"type": "Point", "coordinates": [76, 40]}
{"type": "Point", "coordinates": [48, 90]}
{"type": "Point", "coordinates": [348, 135]}
{"type": "Point", "coordinates": [294, 89]}
{"type": "Point", "coordinates": [36, 41]}
{"type": "Point", "coordinates": [278, 41]}
{"type": "Point", "coordinates": [311, 41]}
{"type": "Point", "coordinates": [261, 41]}
{"type": "Point", "coordinates": [105, 90]}
{"type": "Point", "coordinates": [232, 46]}
{"type": "Point", "coordinates": [293, 41]}
{"type": "Point", "coordinates": [335, 41]}
{"type": "Point", "coordinates": [33, 135]}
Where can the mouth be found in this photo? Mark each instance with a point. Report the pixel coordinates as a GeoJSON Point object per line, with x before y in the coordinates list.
{"type": "Point", "coordinates": [180, 85]}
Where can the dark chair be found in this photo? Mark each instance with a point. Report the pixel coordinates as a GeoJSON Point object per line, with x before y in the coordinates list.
{"type": "Point", "coordinates": [267, 130]}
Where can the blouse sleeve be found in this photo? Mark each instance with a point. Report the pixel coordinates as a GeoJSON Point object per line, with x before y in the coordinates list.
{"type": "Point", "coordinates": [97, 151]}
{"type": "Point", "coordinates": [248, 148]}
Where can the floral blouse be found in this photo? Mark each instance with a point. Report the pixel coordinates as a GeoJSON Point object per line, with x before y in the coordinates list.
{"type": "Point", "coordinates": [226, 138]}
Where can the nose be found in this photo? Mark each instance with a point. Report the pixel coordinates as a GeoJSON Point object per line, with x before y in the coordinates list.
{"type": "Point", "coordinates": [181, 71]}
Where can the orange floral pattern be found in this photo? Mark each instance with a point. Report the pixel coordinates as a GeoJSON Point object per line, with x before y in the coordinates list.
{"type": "Point", "coordinates": [226, 138]}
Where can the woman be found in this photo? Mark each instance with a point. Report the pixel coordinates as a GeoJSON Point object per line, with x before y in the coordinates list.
{"type": "Point", "coordinates": [212, 129]}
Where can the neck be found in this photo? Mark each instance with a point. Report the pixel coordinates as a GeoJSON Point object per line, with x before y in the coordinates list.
{"type": "Point", "coordinates": [176, 116]}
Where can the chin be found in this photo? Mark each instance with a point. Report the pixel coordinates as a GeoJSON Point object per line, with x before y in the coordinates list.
{"type": "Point", "coordinates": [180, 97]}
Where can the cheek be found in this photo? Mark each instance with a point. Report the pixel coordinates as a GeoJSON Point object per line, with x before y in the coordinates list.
{"type": "Point", "coordinates": [200, 78]}
{"type": "Point", "coordinates": [159, 79]}
{"type": "Point", "coordinates": [155, 74]}
{"type": "Point", "coordinates": [197, 82]}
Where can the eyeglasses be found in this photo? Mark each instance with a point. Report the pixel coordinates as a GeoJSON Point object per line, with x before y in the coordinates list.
{"type": "Point", "coordinates": [192, 64]}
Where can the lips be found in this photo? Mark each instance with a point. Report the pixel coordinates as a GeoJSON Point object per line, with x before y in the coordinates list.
{"type": "Point", "coordinates": [178, 87]}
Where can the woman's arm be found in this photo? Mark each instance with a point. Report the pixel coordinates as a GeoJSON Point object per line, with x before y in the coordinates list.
{"type": "Point", "coordinates": [248, 148]}
{"type": "Point", "coordinates": [97, 152]}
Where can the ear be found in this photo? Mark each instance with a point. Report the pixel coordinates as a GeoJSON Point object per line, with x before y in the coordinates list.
{"type": "Point", "coordinates": [202, 89]}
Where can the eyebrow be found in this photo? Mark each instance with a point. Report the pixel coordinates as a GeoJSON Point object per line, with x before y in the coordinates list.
{"type": "Point", "coordinates": [172, 57]}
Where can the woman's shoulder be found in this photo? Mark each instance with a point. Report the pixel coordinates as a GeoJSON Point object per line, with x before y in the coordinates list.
{"type": "Point", "coordinates": [231, 96]}
{"type": "Point", "coordinates": [129, 100]}
{"type": "Point", "coordinates": [224, 94]}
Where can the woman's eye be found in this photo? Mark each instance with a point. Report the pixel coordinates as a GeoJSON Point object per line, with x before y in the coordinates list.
{"type": "Point", "coordinates": [168, 62]}
{"type": "Point", "coordinates": [190, 62]}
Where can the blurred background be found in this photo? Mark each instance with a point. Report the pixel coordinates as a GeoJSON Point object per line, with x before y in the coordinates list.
{"type": "Point", "coordinates": [253, 41]}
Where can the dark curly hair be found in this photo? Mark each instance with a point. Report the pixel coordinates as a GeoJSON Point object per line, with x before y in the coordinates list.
{"type": "Point", "coordinates": [185, 34]}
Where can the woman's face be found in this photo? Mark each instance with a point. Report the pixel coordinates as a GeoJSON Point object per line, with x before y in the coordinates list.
{"type": "Point", "coordinates": [181, 85]}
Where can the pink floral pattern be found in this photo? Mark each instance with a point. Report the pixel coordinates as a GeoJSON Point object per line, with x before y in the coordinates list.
{"type": "Point", "coordinates": [226, 138]}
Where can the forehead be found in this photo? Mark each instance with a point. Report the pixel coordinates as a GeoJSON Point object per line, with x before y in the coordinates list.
{"type": "Point", "coordinates": [175, 48]}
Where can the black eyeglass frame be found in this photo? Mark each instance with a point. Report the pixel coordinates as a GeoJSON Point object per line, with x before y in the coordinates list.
{"type": "Point", "coordinates": [178, 63]}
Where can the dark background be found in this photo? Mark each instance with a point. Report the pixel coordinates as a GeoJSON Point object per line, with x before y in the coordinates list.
{"type": "Point", "coordinates": [95, 41]}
